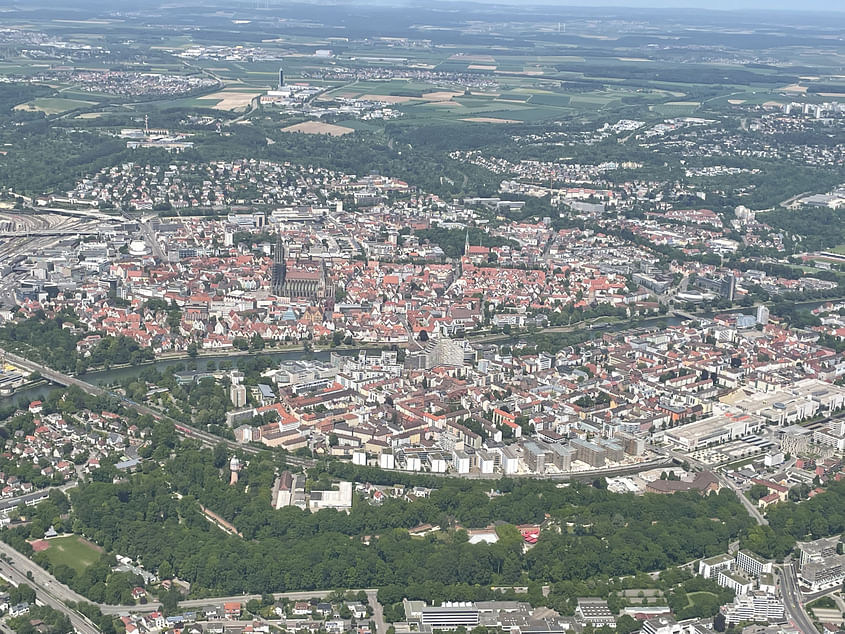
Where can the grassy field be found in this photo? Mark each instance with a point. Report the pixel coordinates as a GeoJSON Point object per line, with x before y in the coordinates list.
{"type": "Point", "coordinates": [691, 597]}
{"type": "Point", "coordinates": [676, 108]}
{"type": "Point", "coordinates": [74, 551]}
{"type": "Point", "coordinates": [53, 105]}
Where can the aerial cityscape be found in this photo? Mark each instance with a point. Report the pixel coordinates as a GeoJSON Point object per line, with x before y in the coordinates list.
{"type": "Point", "coordinates": [393, 317]}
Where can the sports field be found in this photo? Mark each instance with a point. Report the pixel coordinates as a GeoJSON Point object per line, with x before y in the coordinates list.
{"type": "Point", "coordinates": [73, 550]}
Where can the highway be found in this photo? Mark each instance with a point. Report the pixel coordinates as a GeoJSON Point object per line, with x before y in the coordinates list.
{"type": "Point", "coordinates": [150, 239]}
{"type": "Point", "coordinates": [793, 599]}
{"type": "Point", "coordinates": [211, 440]}
{"type": "Point", "coordinates": [788, 581]}
{"type": "Point", "coordinates": [56, 594]}
{"type": "Point", "coordinates": [195, 604]}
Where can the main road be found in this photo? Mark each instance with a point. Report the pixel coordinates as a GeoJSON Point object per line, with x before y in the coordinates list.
{"type": "Point", "coordinates": [194, 604]}
{"type": "Point", "coordinates": [725, 481]}
{"type": "Point", "coordinates": [793, 600]}
{"type": "Point", "coordinates": [47, 589]}
{"type": "Point", "coordinates": [211, 440]}
{"type": "Point", "coordinates": [789, 585]}
{"type": "Point", "coordinates": [54, 593]}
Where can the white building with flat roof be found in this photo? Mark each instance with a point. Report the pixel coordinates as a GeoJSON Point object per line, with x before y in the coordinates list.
{"type": "Point", "coordinates": [821, 568]}
{"type": "Point", "coordinates": [736, 582]}
{"type": "Point", "coordinates": [755, 606]}
{"type": "Point", "coordinates": [715, 429]}
{"type": "Point", "coordinates": [450, 616]}
{"type": "Point", "coordinates": [752, 563]}
{"type": "Point", "coordinates": [340, 498]}
{"type": "Point", "coordinates": [710, 567]}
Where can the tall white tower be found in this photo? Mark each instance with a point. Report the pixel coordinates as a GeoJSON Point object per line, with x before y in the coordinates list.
{"type": "Point", "coordinates": [234, 468]}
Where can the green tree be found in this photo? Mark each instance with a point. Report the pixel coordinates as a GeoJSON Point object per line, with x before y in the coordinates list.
{"type": "Point", "coordinates": [626, 624]}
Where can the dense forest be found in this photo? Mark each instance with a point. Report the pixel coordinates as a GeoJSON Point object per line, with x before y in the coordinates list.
{"type": "Point", "coordinates": [819, 227]}
{"type": "Point", "coordinates": [820, 516]}
{"type": "Point", "coordinates": [592, 533]}
{"type": "Point", "coordinates": [48, 156]}
{"type": "Point", "coordinates": [590, 537]}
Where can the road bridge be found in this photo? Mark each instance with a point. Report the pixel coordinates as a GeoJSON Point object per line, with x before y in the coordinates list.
{"type": "Point", "coordinates": [183, 429]}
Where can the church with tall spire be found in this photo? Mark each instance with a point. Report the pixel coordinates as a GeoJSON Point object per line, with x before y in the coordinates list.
{"type": "Point", "coordinates": [280, 269]}
{"type": "Point", "coordinates": [305, 278]}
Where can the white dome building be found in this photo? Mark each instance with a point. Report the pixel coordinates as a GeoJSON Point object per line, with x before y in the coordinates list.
{"type": "Point", "coordinates": [138, 248]}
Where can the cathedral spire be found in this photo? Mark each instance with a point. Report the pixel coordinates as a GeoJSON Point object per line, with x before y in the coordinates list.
{"type": "Point", "coordinates": [279, 266]}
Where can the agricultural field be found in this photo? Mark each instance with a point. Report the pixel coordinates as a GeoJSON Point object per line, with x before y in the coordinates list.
{"type": "Point", "coordinates": [317, 127]}
{"type": "Point", "coordinates": [517, 73]}
{"type": "Point", "coordinates": [232, 100]}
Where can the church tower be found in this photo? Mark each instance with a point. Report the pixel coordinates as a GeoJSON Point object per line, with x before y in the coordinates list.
{"type": "Point", "coordinates": [279, 266]}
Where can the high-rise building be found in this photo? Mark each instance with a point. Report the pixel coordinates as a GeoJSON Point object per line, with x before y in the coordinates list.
{"type": "Point", "coordinates": [281, 78]}
{"type": "Point", "coordinates": [729, 287]}
{"type": "Point", "coordinates": [752, 563]}
{"type": "Point", "coordinates": [237, 394]}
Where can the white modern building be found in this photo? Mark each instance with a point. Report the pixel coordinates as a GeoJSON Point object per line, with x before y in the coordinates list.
{"type": "Point", "coordinates": [736, 582]}
{"type": "Point", "coordinates": [450, 616]}
{"type": "Point", "coordinates": [754, 606]}
{"type": "Point", "coordinates": [821, 568]}
{"type": "Point", "coordinates": [752, 563]}
{"type": "Point", "coordinates": [709, 568]}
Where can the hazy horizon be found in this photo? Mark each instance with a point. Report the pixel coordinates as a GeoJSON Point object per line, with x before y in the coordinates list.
{"type": "Point", "coordinates": [719, 5]}
{"type": "Point", "coordinates": [831, 6]}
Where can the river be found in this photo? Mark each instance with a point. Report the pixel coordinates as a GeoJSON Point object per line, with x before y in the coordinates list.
{"type": "Point", "coordinates": [202, 363]}
{"type": "Point", "coordinates": [102, 377]}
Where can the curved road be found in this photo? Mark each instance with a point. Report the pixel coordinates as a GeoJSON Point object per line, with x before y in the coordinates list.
{"type": "Point", "coordinates": [788, 581]}
{"type": "Point", "coordinates": [47, 590]}
{"type": "Point", "coordinates": [753, 511]}
{"type": "Point", "coordinates": [57, 595]}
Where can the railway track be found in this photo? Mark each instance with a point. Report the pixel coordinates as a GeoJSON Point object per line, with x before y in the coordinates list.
{"type": "Point", "coordinates": [183, 429]}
